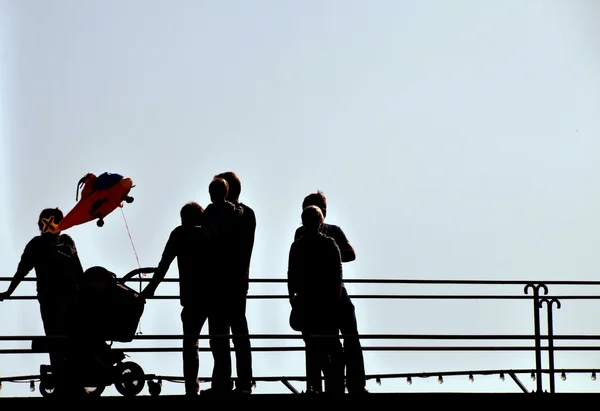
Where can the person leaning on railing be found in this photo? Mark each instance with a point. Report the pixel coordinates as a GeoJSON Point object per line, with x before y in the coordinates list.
{"type": "Point", "coordinates": [58, 271]}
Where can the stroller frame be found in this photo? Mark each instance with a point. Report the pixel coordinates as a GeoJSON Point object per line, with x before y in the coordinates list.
{"type": "Point", "coordinates": [99, 366]}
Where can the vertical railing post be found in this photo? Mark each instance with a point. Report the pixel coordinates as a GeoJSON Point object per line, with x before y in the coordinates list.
{"type": "Point", "coordinates": [550, 339]}
{"type": "Point", "coordinates": [536, 325]}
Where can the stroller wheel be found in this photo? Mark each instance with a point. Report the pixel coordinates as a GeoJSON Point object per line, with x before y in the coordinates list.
{"type": "Point", "coordinates": [47, 388]}
{"type": "Point", "coordinates": [130, 379]}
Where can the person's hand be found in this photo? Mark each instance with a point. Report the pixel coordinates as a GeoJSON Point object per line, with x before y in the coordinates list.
{"type": "Point", "coordinates": [147, 292]}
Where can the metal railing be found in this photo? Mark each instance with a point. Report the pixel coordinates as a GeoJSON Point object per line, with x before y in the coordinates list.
{"type": "Point", "coordinates": [542, 342]}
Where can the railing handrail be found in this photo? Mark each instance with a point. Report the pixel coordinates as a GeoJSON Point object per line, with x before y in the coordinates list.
{"type": "Point", "coordinates": [387, 281]}
{"type": "Point", "coordinates": [535, 291]}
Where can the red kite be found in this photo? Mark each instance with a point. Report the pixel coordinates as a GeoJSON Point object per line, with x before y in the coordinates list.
{"type": "Point", "coordinates": [100, 196]}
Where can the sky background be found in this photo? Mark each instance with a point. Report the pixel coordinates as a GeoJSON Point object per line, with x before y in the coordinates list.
{"type": "Point", "coordinates": [453, 140]}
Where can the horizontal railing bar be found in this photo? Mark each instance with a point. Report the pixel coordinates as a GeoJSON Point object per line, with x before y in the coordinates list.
{"type": "Point", "coordinates": [384, 296]}
{"type": "Point", "coordinates": [381, 348]}
{"type": "Point", "coordinates": [361, 336]}
{"type": "Point", "coordinates": [386, 281]}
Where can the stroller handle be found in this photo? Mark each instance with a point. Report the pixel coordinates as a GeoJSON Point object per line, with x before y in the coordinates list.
{"type": "Point", "coordinates": [137, 271]}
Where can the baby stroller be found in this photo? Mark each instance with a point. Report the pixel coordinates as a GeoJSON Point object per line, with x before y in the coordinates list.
{"type": "Point", "coordinates": [109, 311]}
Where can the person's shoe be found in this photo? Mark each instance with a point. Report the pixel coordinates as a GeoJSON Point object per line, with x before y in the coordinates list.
{"type": "Point", "coordinates": [242, 391]}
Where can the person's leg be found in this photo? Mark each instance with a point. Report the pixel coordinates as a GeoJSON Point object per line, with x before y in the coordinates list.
{"type": "Point", "coordinates": [241, 343]}
{"type": "Point", "coordinates": [218, 329]}
{"type": "Point", "coordinates": [54, 319]}
{"type": "Point", "coordinates": [353, 353]}
{"type": "Point", "coordinates": [314, 384]}
{"type": "Point", "coordinates": [330, 351]}
{"type": "Point", "coordinates": [333, 365]}
{"type": "Point", "coordinates": [192, 320]}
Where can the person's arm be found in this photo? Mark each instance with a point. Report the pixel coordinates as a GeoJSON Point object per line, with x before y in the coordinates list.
{"type": "Point", "coordinates": [248, 231]}
{"type": "Point", "coordinates": [336, 267]}
{"type": "Point", "coordinates": [346, 250]}
{"type": "Point", "coordinates": [292, 272]}
{"type": "Point", "coordinates": [169, 254]}
{"type": "Point", "coordinates": [26, 264]}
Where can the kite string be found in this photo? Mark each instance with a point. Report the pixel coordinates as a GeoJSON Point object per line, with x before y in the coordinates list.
{"type": "Point", "coordinates": [138, 261]}
{"type": "Point", "coordinates": [130, 238]}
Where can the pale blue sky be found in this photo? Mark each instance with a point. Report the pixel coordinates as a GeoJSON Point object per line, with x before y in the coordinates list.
{"type": "Point", "coordinates": [453, 139]}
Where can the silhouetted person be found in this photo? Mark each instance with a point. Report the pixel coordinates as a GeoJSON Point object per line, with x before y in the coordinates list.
{"type": "Point", "coordinates": [234, 275]}
{"type": "Point", "coordinates": [222, 219]}
{"type": "Point", "coordinates": [221, 216]}
{"type": "Point", "coordinates": [353, 354]}
{"type": "Point", "coordinates": [314, 287]}
{"type": "Point", "coordinates": [53, 256]}
{"type": "Point", "coordinates": [190, 244]}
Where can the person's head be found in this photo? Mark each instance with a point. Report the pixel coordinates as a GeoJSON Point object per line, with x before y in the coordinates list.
{"type": "Point", "coordinates": [49, 219]}
{"type": "Point", "coordinates": [192, 213]}
{"type": "Point", "coordinates": [235, 185]}
{"type": "Point", "coordinates": [312, 218]}
{"type": "Point", "coordinates": [218, 189]}
{"type": "Point", "coordinates": [316, 199]}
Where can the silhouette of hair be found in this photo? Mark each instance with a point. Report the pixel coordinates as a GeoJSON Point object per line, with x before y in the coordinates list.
{"type": "Point", "coordinates": [235, 185]}
{"type": "Point", "coordinates": [218, 189]}
{"type": "Point", "coordinates": [47, 213]}
{"type": "Point", "coordinates": [316, 199]}
{"type": "Point", "coordinates": [192, 213]}
{"type": "Point", "coordinates": [312, 218]}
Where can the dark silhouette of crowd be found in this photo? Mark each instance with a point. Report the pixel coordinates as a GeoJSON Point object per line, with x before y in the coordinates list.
{"type": "Point", "coordinates": [213, 247]}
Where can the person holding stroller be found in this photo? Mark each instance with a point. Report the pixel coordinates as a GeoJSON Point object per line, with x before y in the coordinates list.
{"type": "Point", "coordinates": [53, 256]}
{"type": "Point", "coordinates": [190, 244]}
